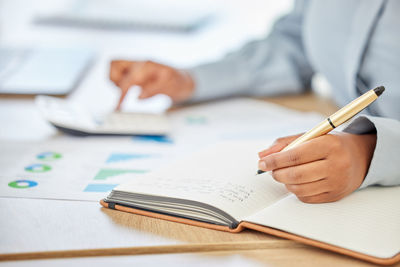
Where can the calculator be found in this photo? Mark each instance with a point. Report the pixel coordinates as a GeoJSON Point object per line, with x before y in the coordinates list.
{"type": "Point", "coordinates": [75, 120]}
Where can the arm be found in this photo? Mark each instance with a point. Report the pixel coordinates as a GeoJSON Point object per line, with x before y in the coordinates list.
{"type": "Point", "coordinates": [276, 64]}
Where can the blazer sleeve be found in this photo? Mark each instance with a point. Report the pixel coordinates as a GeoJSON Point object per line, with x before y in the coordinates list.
{"type": "Point", "coordinates": [276, 64]}
{"type": "Point", "coordinates": [385, 164]}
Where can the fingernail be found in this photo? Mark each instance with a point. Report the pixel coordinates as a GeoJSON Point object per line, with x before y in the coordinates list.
{"type": "Point", "coordinates": [262, 165]}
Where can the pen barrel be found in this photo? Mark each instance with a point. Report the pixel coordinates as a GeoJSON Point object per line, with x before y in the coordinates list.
{"type": "Point", "coordinates": [338, 118]}
{"type": "Point", "coordinates": [321, 129]}
{"type": "Point", "coordinates": [354, 107]}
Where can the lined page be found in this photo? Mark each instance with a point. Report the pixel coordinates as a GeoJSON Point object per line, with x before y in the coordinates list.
{"type": "Point", "coordinates": [367, 221]}
{"type": "Point", "coordinates": [223, 176]}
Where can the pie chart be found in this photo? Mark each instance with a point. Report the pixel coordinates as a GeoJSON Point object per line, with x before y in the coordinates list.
{"type": "Point", "coordinates": [49, 156]}
{"type": "Point", "coordinates": [22, 184]}
{"type": "Point", "coordinates": [38, 168]}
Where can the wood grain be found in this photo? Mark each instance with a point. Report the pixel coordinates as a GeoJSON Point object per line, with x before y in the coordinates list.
{"type": "Point", "coordinates": [44, 225]}
{"type": "Point", "coordinates": [204, 247]}
{"type": "Point", "coordinates": [305, 102]}
{"type": "Point", "coordinates": [297, 256]}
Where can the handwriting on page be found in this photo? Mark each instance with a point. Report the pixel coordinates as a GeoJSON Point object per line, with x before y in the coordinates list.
{"type": "Point", "coordinates": [227, 190]}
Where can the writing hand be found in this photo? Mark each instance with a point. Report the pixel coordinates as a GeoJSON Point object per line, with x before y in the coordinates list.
{"type": "Point", "coordinates": [324, 169]}
{"type": "Point", "coordinates": [153, 78]}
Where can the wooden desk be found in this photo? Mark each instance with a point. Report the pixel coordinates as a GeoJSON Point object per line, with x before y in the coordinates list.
{"type": "Point", "coordinates": [301, 256]}
{"type": "Point", "coordinates": [75, 230]}
{"type": "Point", "coordinates": [305, 102]}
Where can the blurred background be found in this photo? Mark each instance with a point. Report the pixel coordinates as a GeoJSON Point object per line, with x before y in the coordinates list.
{"type": "Point", "coordinates": [175, 32]}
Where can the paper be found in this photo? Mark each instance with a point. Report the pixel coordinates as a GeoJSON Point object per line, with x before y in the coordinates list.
{"type": "Point", "coordinates": [238, 119]}
{"type": "Point", "coordinates": [223, 176]}
{"type": "Point", "coordinates": [75, 169]}
{"type": "Point", "coordinates": [367, 221]}
{"type": "Point", "coordinates": [89, 168]}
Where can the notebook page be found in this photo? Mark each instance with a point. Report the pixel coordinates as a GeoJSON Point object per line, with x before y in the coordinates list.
{"type": "Point", "coordinates": [367, 221]}
{"type": "Point", "coordinates": [222, 176]}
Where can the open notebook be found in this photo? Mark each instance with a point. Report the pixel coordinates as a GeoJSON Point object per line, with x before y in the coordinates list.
{"type": "Point", "coordinates": [217, 188]}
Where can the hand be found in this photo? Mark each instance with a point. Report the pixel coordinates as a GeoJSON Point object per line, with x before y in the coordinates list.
{"type": "Point", "coordinates": [153, 78]}
{"type": "Point", "coordinates": [324, 169]}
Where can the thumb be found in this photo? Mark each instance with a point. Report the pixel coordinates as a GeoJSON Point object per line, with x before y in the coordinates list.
{"type": "Point", "coordinates": [278, 145]}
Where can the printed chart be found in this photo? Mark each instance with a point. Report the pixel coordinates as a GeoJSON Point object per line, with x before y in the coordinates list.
{"type": "Point", "coordinates": [89, 168]}
{"type": "Point", "coordinates": [72, 170]}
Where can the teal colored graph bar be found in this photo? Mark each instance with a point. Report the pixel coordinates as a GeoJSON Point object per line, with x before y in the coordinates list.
{"type": "Point", "coordinates": [117, 157]}
{"type": "Point", "coordinates": [106, 173]}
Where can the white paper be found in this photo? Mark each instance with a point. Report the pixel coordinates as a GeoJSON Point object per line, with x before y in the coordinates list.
{"type": "Point", "coordinates": [367, 221]}
{"type": "Point", "coordinates": [193, 128]}
{"type": "Point", "coordinates": [74, 169]}
{"type": "Point", "coordinates": [223, 176]}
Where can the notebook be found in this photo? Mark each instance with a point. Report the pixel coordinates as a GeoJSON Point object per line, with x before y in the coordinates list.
{"type": "Point", "coordinates": [217, 188]}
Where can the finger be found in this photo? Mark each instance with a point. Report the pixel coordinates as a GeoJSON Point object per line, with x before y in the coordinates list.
{"type": "Point", "coordinates": [309, 151]}
{"type": "Point", "coordinates": [121, 99]}
{"type": "Point", "coordinates": [150, 89]}
{"type": "Point", "coordinates": [309, 189]}
{"type": "Point", "coordinates": [125, 84]}
{"type": "Point", "coordinates": [160, 82]}
{"type": "Point", "coordinates": [118, 69]}
{"type": "Point", "coordinates": [138, 73]}
{"type": "Point", "coordinates": [320, 198]}
{"type": "Point", "coordinates": [304, 173]}
{"type": "Point", "coordinates": [278, 145]}
{"type": "Point", "coordinates": [144, 72]}
{"type": "Point", "coordinates": [132, 77]}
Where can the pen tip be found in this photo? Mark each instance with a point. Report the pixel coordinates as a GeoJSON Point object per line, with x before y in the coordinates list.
{"type": "Point", "coordinates": [260, 172]}
{"type": "Point", "coordinates": [379, 90]}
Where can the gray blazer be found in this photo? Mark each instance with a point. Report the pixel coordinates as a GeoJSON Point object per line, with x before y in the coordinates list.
{"type": "Point", "coordinates": [355, 44]}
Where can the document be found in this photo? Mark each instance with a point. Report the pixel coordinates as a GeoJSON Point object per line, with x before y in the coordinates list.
{"type": "Point", "coordinates": [89, 168]}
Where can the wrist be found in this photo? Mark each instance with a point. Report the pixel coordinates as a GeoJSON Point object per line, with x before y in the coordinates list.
{"type": "Point", "coordinates": [188, 85]}
{"type": "Point", "coordinates": [367, 143]}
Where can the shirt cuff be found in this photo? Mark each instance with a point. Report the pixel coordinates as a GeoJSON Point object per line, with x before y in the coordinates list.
{"type": "Point", "coordinates": [383, 169]}
{"type": "Point", "coordinates": [214, 80]}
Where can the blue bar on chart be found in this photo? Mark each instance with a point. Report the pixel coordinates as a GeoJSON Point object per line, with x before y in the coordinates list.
{"type": "Point", "coordinates": [99, 188]}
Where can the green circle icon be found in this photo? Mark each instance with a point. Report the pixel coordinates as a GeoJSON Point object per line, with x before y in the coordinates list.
{"type": "Point", "coordinates": [22, 184]}
{"type": "Point", "coordinates": [38, 168]}
{"type": "Point", "coordinates": [49, 156]}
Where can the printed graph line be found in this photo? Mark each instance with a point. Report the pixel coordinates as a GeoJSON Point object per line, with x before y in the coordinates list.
{"type": "Point", "coordinates": [104, 174]}
{"type": "Point", "coordinates": [117, 157]}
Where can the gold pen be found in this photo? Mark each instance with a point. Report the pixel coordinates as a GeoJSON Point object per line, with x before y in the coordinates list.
{"type": "Point", "coordinates": [338, 118]}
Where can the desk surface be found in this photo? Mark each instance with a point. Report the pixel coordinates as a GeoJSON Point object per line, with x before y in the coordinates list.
{"type": "Point", "coordinates": [78, 228]}
{"type": "Point", "coordinates": [300, 256]}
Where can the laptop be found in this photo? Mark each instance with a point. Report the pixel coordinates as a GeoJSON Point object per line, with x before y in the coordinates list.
{"type": "Point", "coordinates": [50, 71]}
